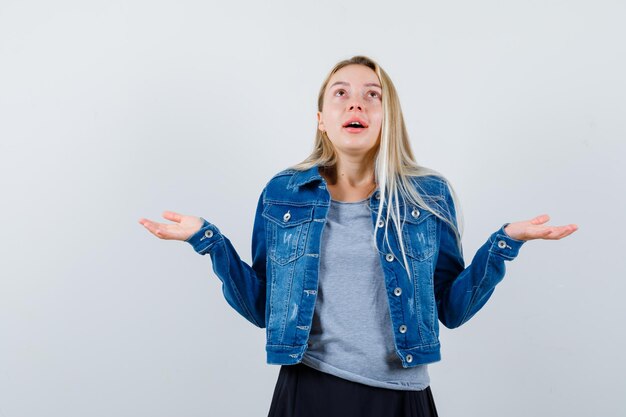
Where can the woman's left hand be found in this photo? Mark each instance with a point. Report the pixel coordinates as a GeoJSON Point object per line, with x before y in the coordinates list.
{"type": "Point", "coordinates": [535, 229]}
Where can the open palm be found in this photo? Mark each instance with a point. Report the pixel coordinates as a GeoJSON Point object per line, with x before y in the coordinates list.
{"type": "Point", "coordinates": [183, 227]}
{"type": "Point", "coordinates": [535, 229]}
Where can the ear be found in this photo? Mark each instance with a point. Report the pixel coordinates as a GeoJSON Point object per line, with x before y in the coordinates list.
{"type": "Point", "coordinates": [320, 123]}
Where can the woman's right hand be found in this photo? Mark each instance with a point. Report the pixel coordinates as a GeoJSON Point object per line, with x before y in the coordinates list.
{"type": "Point", "coordinates": [182, 228]}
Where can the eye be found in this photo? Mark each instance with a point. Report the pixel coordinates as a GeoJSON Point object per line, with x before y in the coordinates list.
{"type": "Point", "coordinates": [374, 94]}
{"type": "Point", "coordinates": [342, 91]}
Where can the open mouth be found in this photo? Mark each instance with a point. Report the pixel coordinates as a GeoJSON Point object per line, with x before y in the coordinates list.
{"type": "Point", "coordinates": [355, 126]}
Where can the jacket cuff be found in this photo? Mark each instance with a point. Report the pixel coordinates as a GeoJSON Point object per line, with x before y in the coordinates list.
{"type": "Point", "coordinates": [504, 245]}
{"type": "Point", "coordinates": [204, 239]}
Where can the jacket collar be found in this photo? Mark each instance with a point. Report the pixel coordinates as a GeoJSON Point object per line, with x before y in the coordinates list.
{"type": "Point", "coordinates": [301, 178]}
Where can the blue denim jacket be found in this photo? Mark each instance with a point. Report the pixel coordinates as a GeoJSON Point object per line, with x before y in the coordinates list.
{"type": "Point", "coordinates": [278, 290]}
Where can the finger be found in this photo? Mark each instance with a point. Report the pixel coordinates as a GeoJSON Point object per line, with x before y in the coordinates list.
{"type": "Point", "coordinates": [559, 232]}
{"type": "Point", "coordinates": [542, 218]}
{"type": "Point", "coordinates": [160, 232]}
{"type": "Point", "coordinates": [565, 234]}
{"type": "Point", "coordinates": [567, 230]}
{"type": "Point", "coordinates": [145, 222]}
{"type": "Point", "coordinates": [173, 216]}
{"type": "Point", "coordinates": [157, 229]}
{"type": "Point", "coordinates": [148, 224]}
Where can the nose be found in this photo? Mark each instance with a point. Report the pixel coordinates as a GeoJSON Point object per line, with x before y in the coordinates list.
{"type": "Point", "coordinates": [355, 106]}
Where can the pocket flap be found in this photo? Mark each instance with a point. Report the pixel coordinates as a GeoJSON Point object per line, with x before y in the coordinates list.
{"type": "Point", "coordinates": [416, 215]}
{"type": "Point", "coordinates": [286, 215]}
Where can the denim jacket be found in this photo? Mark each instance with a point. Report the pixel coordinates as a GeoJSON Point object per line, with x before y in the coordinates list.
{"type": "Point", "coordinates": [278, 290]}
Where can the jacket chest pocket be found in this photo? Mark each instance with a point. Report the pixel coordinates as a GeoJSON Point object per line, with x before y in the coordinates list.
{"type": "Point", "coordinates": [419, 233]}
{"type": "Point", "coordinates": [287, 227]}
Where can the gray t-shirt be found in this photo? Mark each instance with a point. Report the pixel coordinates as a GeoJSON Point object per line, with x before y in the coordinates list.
{"type": "Point", "coordinates": [351, 335]}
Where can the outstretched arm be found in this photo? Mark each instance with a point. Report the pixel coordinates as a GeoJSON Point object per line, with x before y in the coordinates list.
{"type": "Point", "coordinates": [462, 291]}
{"type": "Point", "coordinates": [243, 285]}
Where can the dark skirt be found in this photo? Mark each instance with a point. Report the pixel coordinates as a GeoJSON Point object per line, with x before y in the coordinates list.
{"type": "Point", "coordinates": [302, 391]}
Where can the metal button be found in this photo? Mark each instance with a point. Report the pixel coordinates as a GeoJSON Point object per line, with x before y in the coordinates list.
{"type": "Point", "coordinates": [397, 291]}
{"type": "Point", "coordinates": [381, 223]}
{"type": "Point", "coordinates": [287, 216]}
{"type": "Point", "coordinates": [415, 213]}
{"type": "Point", "coordinates": [409, 358]}
{"type": "Point", "coordinates": [377, 195]}
{"type": "Point", "coordinates": [389, 257]}
{"type": "Point", "coordinates": [402, 329]}
{"type": "Point", "coordinates": [208, 233]}
{"type": "Point", "coordinates": [502, 244]}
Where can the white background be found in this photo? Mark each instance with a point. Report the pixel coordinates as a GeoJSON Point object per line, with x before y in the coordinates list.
{"type": "Point", "coordinates": [115, 110]}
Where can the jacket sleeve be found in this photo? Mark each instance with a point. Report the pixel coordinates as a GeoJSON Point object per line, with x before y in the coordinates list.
{"type": "Point", "coordinates": [243, 285]}
{"type": "Point", "coordinates": [461, 291]}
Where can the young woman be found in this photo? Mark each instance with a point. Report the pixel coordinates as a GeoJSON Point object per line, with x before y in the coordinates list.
{"type": "Point", "coordinates": [356, 258]}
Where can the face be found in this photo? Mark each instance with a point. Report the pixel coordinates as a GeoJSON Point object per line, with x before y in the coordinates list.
{"type": "Point", "coordinates": [352, 98]}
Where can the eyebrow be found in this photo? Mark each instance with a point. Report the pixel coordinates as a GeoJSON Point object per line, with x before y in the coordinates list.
{"type": "Point", "coordinates": [345, 83]}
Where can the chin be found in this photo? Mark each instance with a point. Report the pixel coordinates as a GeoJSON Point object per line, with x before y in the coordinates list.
{"type": "Point", "coordinates": [355, 150]}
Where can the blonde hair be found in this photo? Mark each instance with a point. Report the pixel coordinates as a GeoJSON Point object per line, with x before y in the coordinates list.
{"type": "Point", "coordinates": [394, 162]}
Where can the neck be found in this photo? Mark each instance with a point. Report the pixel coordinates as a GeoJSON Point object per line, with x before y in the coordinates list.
{"type": "Point", "coordinates": [349, 174]}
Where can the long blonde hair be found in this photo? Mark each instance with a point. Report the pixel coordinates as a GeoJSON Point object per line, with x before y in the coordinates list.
{"type": "Point", "coordinates": [394, 162]}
